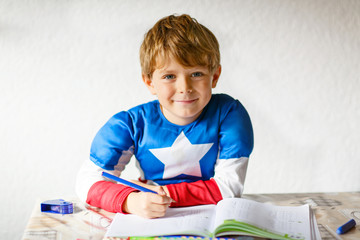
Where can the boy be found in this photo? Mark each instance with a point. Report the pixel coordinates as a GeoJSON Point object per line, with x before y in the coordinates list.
{"type": "Point", "coordinates": [191, 146]}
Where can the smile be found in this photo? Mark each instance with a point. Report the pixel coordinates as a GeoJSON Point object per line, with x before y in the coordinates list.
{"type": "Point", "coordinates": [185, 101]}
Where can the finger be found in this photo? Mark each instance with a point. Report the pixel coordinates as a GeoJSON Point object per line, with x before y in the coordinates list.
{"type": "Point", "coordinates": [154, 210]}
{"type": "Point", "coordinates": [135, 181]}
{"type": "Point", "coordinates": [140, 183]}
{"type": "Point", "coordinates": [151, 214]}
{"type": "Point", "coordinates": [160, 199]}
{"type": "Point", "coordinates": [161, 191]}
{"type": "Point", "coordinates": [159, 208]}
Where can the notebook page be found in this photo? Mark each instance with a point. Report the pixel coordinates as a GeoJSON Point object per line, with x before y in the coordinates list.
{"type": "Point", "coordinates": [187, 220]}
{"type": "Point", "coordinates": [314, 227]}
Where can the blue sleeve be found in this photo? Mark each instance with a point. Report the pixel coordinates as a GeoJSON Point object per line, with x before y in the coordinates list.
{"type": "Point", "coordinates": [236, 133]}
{"type": "Point", "coordinates": [111, 140]}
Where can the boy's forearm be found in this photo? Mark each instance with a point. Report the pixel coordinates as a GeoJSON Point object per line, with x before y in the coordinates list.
{"type": "Point", "coordinates": [195, 193]}
{"type": "Point", "coordinates": [112, 197]}
{"type": "Point", "coordinates": [108, 196]}
{"type": "Point", "coordinates": [190, 194]}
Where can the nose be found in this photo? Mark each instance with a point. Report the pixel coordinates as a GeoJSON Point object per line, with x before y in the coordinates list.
{"type": "Point", "coordinates": [184, 85]}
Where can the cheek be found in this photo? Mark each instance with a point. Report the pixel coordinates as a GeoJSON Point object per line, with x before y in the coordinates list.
{"type": "Point", "coordinates": [164, 91]}
{"type": "Point", "coordinates": [205, 87]}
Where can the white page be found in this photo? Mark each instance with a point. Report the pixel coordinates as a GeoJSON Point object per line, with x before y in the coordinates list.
{"type": "Point", "coordinates": [314, 227]}
{"type": "Point", "coordinates": [294, 221]}
{"type": "Point", "coordinates": [176, 221]}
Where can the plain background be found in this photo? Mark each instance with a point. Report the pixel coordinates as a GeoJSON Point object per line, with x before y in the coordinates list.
{"type": "Point", "coordinates": [67, 66]}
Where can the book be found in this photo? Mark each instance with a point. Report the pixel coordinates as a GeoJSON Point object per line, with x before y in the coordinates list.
{"type": "Point", "coordinates": [231, 217]}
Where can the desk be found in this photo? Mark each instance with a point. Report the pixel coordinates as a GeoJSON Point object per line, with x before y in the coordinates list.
{"type": "Point", "coordinates": [331, 211]}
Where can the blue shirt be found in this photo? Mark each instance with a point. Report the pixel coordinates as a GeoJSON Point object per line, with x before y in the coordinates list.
{"type": "Point", "coordinates": [165, 150]}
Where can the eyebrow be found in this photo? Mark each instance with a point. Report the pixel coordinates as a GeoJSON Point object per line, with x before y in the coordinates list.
{"type": "Point", "coordinates": [195, 68]}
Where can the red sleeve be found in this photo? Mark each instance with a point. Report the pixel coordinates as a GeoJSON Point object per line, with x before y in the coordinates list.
{"type": "Point", "coordinates": [108, 196]}
{"type": "Point", "coordinates": [195, 193]}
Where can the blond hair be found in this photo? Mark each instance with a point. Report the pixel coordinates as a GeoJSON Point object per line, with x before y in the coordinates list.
{"type": "Point", "coordinates": [183, 38]}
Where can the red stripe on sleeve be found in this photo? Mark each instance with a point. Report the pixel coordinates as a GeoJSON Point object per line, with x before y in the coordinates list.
{"type": "Point", "coordinates": [196, 193]}
{"type": "Point", "coordinates": [108, 196]}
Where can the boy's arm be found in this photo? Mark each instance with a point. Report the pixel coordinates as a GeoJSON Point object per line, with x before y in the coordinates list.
{"type": "Point", "coordinates": [228, 182]}
{"type": "Point", "coordinates": [190, 194]}
{"type": "Point", "coordinates": [92, 188]}
{"type": "Point", "coordinates": [195, 193]}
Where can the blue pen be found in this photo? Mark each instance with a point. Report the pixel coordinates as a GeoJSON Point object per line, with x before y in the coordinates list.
{"type": "Point", "coordinates": [127, 183]}
{"type": "Point", "coordinates": [346, 227]}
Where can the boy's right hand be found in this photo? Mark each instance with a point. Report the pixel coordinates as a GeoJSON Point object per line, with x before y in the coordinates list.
{"type": "Point", "coordinates": [147, 205]}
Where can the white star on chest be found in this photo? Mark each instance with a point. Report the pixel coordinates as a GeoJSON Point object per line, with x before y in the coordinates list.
{"type": "Point", "coordinates": [182, 157]}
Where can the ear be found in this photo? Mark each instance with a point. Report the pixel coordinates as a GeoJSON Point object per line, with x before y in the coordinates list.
{"type": "Point", "coordinates": [149, 84]}
{"type": "Point", "coordinates": [216, 77]}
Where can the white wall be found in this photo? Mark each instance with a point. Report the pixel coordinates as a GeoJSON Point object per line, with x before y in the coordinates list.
{"type": "Point", "coordinates": [67, 66]}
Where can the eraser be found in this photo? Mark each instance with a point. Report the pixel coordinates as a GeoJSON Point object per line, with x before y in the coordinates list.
{"type": "Point", "coordinates": [59, 206]}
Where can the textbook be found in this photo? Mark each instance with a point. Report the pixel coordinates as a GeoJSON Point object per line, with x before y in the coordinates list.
{"type": "Point", "coordinates": [231, 217]}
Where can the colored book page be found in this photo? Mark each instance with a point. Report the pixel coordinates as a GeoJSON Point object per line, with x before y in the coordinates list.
{"type": "Point", "coordinates": [232, 228]}
{"type": "Point", "coordinates": [288, 222]}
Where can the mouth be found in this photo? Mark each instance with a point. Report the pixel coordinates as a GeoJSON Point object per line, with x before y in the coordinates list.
{"type": "Point", "coordinates": [186, 101]}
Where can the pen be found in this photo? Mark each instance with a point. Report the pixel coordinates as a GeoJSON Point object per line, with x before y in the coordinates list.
{"type": "Point", "coordinates": [127, 183]}
{"type": "Point", "coordinates": [346, 227]}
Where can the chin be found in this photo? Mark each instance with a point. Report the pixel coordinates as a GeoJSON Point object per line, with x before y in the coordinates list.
{"type": "Point", "coordinates": [190, 116]}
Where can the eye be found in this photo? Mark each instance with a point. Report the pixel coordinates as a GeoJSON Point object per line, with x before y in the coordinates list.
{"type": "Point", "coordinates": [197, 74]}
{"type": "Point", "coordinates": [169, 77]}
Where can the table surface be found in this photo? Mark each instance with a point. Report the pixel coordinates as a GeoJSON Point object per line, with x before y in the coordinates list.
{"type": "Point", "coordinates": [331, 211]}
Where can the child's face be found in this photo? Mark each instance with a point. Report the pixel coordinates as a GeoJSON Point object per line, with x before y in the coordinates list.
{"type": "Point", "coordinates": [183, 92]}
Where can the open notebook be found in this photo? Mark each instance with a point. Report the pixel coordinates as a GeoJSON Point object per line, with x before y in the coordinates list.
{"type": "Point", "coordinates": [230, 217]}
